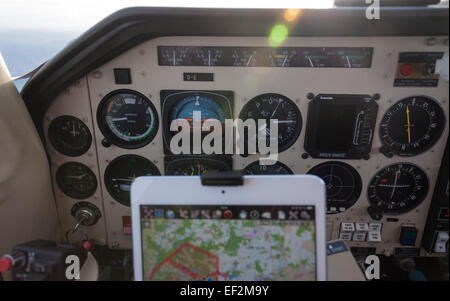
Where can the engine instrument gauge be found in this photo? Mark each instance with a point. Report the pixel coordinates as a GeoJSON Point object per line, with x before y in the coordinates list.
{"type": "Point", "coordinates": [398, 188]}
{"type": "Point", "coordinates": [76, 180]}
{"type": "Point", "coordinates": [275, 169]}
{"type": "Point", "coordinates": [275, 106]}
{"type": "Point", "coordinates": [411, 126]}
{"type": "Point", "coordinates": [122, 171]}
{"type": "Point", "coordinates": [343, 185]}
{"type": "Point", "coordinates": [127, 118]}
{"type": "Point", "coordinates": [69, 136]}
{"type": "Point", "coordinates": [195, 166]}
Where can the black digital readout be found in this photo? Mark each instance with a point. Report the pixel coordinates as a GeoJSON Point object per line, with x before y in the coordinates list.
{"type": "Point", "coordinates": [307, 57]}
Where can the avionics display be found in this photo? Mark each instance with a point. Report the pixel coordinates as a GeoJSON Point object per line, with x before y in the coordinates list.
{"type": "Point", "coordinates": [308, 57]}
{"type": "Point", "coordinates": [252, 243]}
{"type": "Point", "coordinates": [340, 126]}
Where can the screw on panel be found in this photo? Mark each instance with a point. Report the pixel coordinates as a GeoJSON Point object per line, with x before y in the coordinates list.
{"type": "Point", "coordinates": [376, 96]}
{"type": "Point", "coordinates": [142, 52]}
{"type": "Point", "coordinates": [97, 74]}
{"type": "Point", "coordinates": [143, 73]}
{"type": "Point", "coordinates": [431, 41]}
{"type": "Point", "coordinates": [155, 161]}
{"type": "Point", "coordinates": [310, 95]}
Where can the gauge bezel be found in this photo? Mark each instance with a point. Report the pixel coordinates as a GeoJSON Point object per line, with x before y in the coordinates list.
{"type": "Point", "coordinates": [435, 139]}
{"type": "Point", "coordinates": [358, 185]}
{"type": "Point", "coordinates": [67, 152]}
{"type": "Point", "coordinates": [108, 133]}
{"type": "Point", "coordinates": [71, 194]}
{"type": "Point", "coordinates": [299, 126]}
{"type": "Point", "coordinates": [107, 176]}
{"type": "Point", "coordinates": [396, 212]}
{"type": "Point", "coordinates": [278, 163]}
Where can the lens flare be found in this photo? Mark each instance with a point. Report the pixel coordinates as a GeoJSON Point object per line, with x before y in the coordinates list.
{"type": "Point", "coordinates": [291, 14]}
{"type": "Point", "coordinates": [278, 34]}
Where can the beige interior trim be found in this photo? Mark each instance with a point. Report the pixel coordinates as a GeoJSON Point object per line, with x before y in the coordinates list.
{"type": "Point", "coordinates": [27, 206]}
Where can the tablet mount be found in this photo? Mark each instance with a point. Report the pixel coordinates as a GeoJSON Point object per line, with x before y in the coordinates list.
{"type": "Point", "coordinates": [227, 178]}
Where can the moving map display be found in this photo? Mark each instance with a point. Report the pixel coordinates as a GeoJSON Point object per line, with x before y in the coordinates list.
{"type": "Point", "coordinates": [223, 243]}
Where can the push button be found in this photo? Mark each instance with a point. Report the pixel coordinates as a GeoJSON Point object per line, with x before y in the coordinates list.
{"type": "Point", "coordinates": [347, 230]}
{"type": "Point", "coordinates": [359, 236]}
{"type": "Point", "coordinates": [345, 236]}
{"type": "Point", "coordinates": [374, 236]}
{"type": "Point", "coordinates": [406, 70]}
{"type": "Point", "coordinates": [362, 226]}
{"type": "Point", "coordinates": [347, 227]}
{"type": "Point", "coordinates": [376, 227]}
{"type": "Point", "coordinates": [122, 76]}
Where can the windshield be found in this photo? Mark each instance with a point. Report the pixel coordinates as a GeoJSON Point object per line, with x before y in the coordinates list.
{"type": "Point", "coordinates": [33, 31]}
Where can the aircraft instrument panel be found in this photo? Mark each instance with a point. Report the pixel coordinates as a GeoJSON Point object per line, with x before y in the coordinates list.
{"type": "Point", "coordinates": [366, 114]}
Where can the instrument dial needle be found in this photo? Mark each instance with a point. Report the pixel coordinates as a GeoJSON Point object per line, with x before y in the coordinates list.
{"type": "Point", "coordinates": [409, 125]}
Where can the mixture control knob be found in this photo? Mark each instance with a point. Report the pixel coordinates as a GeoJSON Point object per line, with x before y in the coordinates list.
{"type": "Point", "coordinates": [85, 213]}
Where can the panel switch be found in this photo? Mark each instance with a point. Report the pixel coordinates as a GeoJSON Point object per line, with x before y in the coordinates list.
{"type": "Point", "coordinates": [374, 236]}
{"type": "Point", "coordinates": [441, 244]}
{"type": "Point", "coordinates": [122, 76]}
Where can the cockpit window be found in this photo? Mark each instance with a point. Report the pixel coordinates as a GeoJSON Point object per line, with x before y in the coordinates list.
{"type": "Point", "coordinates": [33, 31]}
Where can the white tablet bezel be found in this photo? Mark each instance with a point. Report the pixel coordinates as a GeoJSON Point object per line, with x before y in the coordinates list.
{"type": "Point", "coordinates": [257, 190]}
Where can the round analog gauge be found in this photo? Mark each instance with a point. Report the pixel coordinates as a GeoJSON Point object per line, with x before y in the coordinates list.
{"type": "Point", "coordinates": [127, 118]}
{"type": "Point", "coordinates": [194, 167]}
{"type": "Point", "coordinates": [69, 136]}
{"type": "Point", "coordinates": [275, 169]}
{"type": "Point", "coordinates": [122, 171]}
{"type": "Point", "coordinates": [280, 108]}
{"type": "Point", "coordinates": [412, 126]}
{"type": "Point", "coordinates": [76, 180]}
{"type": "Point", "coordinates": [398, 188]}
{"type": "Point", "coordinates": [343, 185]}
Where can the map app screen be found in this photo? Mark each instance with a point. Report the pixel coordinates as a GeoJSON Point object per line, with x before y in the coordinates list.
{"type": "Point", "coordinates": [223, 243]}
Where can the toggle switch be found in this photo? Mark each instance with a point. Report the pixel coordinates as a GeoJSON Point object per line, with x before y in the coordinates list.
{"type": "Point", "coordinates": [441, 244]}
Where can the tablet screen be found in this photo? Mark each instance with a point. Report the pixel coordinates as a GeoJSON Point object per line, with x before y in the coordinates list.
{"type": "Point", "coordinates": [246, 243]}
